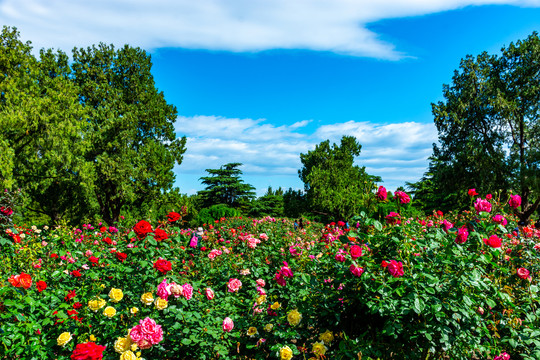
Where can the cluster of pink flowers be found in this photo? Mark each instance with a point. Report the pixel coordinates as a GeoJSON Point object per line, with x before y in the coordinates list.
{"type": "Point", "coordinates": [515, 201]}
{"type": "Point", "coordinates": [462, 235]}
{"type": "Point", "coordinates": [499, 219]}
{"type": "Point", "coordinates": [502, 356]}
{"type": "Point", "coordinates": [482, 205]}
{"type": "Point", "coordinates": [146, 334]}
{"type": "Point", "coordinates": [212, 254]}
{"type": "Point", "coordinates": [253, 242]}
{"type": "Point", "coordinates": [356, 270]}
{"type": "Point", "coordinates": [284, 272]}
{"type": "Point", "coordinates": [402, 197]}
{"type": "Point", "coordinates": [395, 268]}
{"type": "Point", "coordinates": [381, 193]}
{"type": "Point", "coordinates": [165, 290]}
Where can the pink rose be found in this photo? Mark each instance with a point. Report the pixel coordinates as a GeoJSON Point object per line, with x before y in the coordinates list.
{"type": "Point", "coordinates": [523, 273]}
{"type": "Point", "coordinates": [228, 324]}
{"type": "Point", "coordinates": [148, 326]}
{"type": "Point", "coordinates": [515, 201]}
{"type": "Point", "coordinates": [462, 235]}
{"type": "Point", "coordinates": [395, 268]}
{"type": "Point", "coordinates": [356, 270]}
{"type": "Point", "coordinates": [135, 334]}
{"type": "Point", "coordinates": [234, 285]}
{"type": "Point", "coordinates": [209, 293]}
{"type": "Point", "coordinates": [482, 205]}
{"type": "Point", "coordinates": [286, 271]}
{"type": "Point", "coordinates": [340, 257]}
{"type": "Point", "coordinates": [157, 336]}
{"type": "Point", "coordinates": [188, 291]}
{"type": "Point", "coordinates": [381, 193]}
{"type": "Point", "coordinates": [499, 219]}
{"type": "Point", "coordinates": [164, 289]}
{"type": "Point", "coordinates": [144, 344]}
{"type": "Point", "coordinates": [356, 251]}
{"type": "Point", "coordinates": [502, 356]}
{"type": "Point", "coordinates": [261, 282]}
{"type": "Point", "coordinates": [403, 197]}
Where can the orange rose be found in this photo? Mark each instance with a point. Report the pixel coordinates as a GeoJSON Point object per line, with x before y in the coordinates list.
{"type": "Point", "coordinates": [25, 280]}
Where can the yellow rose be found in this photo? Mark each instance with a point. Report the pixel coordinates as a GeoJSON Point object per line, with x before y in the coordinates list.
{"type": "Point", "coordinates": [268, 327]}
{"type": "Point", "coordinates": [327, 337]}
{"type": "Point", "coordinates": [96, 304]}
{"type": "Point", "coordinates": [109, 311]}
{"type": "Point", "coordinates": [92, 338]}
{"type": "Point", "coordinates": [252, 331]}
{"type": "Point", "coordinates": [294, 317]}
{"type": "Point", "coordinates": [147, 298]}
{"type": "Point", "coordinates": [161, 303]}
{"type": "Point", "coordinates": [275, 306]}
{"type": "Point", "coordinates": [128, 355]}
{"type": "Point", "coordinates": [134, 310]}
{"type": "Point", "coordinates": [122, 345]}
{"type": "Point", "coordinates": [285, 353]}
{"type": "Point", "coordinates": [319, 349]}
{"type": "Point", "coordinates": [261, 299]}
{"type": "Point", "coordinates": [63, 339]}
{"type": "Point", "coordinates": [116, 295]}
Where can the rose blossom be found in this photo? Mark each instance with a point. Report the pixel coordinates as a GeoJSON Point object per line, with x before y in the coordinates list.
{"type": "Point", "coordinates": [499, 219]}
{"type": "Point", "coordinates": [261, 282]}
{"type": "Point", "coordinates": [403, 197]}
{"type": "Point", "coordinates": [228, 324]}
{"type": "Point", "coordinates": [188, 291]}
{"type": "Point", "coordinates": [234, 285]}
{"type": "Point", "coordinates": [356, 270]}
{"type": "Point", "coordinates": [482, 205]}
{"type": "Point", "coordinates": [381, 193]}
{"type": "Point", "coordinates": [493, 241]}
{"type": "Point", "coordinates": [209, 293]}
{"type": "Point", "coordinates": [515, 201]}
{"type": "Point", "coordinates": [523, 273]}
{"type": "Point", "coordinates": [356, 251]}
{"type": "Point", "coordinates": [395, 268]}
{"type": "Point", "coordinates": [462, 235]}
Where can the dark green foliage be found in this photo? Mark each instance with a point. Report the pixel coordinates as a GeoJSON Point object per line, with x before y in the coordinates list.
{"type": "Point", "coordinates": [270, 204]}
{"type": "Point", "coordinates": [294, 203]}
{"type": "Point", "coordinates": [488, 131]}
{"type": "Point", "coordinates": [224, 186]}
{"type": "Point", "coordinates": [216, 212]}
{"type": "Point", "coordinates": [335, 187]}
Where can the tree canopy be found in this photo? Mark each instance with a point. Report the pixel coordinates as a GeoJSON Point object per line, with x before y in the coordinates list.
{"type": "Point", "coordinates": [488, 130]}
{"type": "Point", "coordinates": [335, 187]}
{"type": "Point", "coordinates": [225, 186]}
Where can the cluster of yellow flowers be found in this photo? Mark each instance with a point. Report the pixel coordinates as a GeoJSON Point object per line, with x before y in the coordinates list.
{"type": "Point", "coordinates": [147, 298]}
{"type": "Point", "coordinates": [126, 348]}
{"type": "Point", "coordinates": [95, 304]}
{"type": "Point", "coordinates": [294, 317]}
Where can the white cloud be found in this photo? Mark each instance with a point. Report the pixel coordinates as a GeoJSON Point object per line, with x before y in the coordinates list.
{"type": "Point", "coordinates": [231, 25]}
{"type": "Point", "coordinates": [397, 152]}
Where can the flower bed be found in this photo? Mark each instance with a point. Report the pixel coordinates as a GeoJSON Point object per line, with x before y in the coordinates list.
{"type": "Point", "coordinates": [457, 286]}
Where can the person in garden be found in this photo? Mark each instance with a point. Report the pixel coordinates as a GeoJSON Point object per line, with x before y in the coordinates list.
{"type": "Point", "coordinates": [196, 239]}
{"type": "Point", "coordinates": [295, 225]}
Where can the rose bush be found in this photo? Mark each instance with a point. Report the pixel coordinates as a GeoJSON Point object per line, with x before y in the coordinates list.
{"type": "Point", "coordinates": [414, 289]}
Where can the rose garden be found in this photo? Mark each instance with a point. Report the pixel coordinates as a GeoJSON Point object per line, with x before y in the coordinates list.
{"type": "Point", "coordinates": [447, 286]}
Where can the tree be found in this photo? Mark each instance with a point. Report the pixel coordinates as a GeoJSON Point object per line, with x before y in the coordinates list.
{"type": "Point", "coordinates": [270, 204]}
{"type": "Point", "coordinates": [133, 146]}
{"type": "Point", "coordinates": [334, 186]}
{"type": "Point", "coordinates": [488, 129]}
{"type": "Point", "coordinates": [41, 130]}
{"type": "Point", "coordinates": [224, 186]}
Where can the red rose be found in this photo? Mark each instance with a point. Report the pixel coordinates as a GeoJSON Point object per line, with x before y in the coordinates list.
{"type": "Point", "coordinates": [384, 263]}
{"type": "Point", "coordinates": [88, 351]}
{"type": "Point", "coordinates": [25, 280]}
{"type": "Point", "coordinates": [108, 240]}
{"type": "Point", "coordinates": [94, 260]}
{"type": "Point", "coordinates": [77, 305]}
{"type": "Point", "coordinates": [523, 273]}
{"type": "Point", "coordinates": [71, 294]}
{"type": "Point", "coordinates": [160, 235]}
{"type": "Point", "coordinates": [41, 285]}
{"type": "Point", "coordinates": [395, 268]}
{"type": "Point", "coordinates": [163, 266]}
{"type": "Point", "coordinates": [472, 192]}
{"type": "Point", "coordinates": [14, 280]}
{"type": "Point", "coordinates": [103, 229]}
{"type": "Point", "coordinates": [494, 241]}
{"type": "Point", "coordinates": [142, 228]}
{"type": "Point", "coordinates": [172, 217]}
{"type": "Point", "coordinates": [76, 273]}
{"type": "Point", "coordinates": [54, 256]}
{"type": "Point", "coordinates": [356, 251]}
{"type": "Point", "coordinates": [121, 256]}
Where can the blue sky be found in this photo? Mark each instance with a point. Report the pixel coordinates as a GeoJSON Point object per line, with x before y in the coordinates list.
{"type": "Point", "coordinates": [261, 81]}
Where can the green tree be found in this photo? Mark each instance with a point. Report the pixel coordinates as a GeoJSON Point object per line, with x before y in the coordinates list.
{"type": "Point", "coordinates": [224, 186]}
{"type": "Point", "coordinates": [335, 187]}
{"type": "Point", "coordinates": [41, 130]}
{"type": "Point", "coordinates": [294, 203]}
{"type": "Point", "coordinates": [133, 145]}
{"type": "Point", "coordinates": [488, 130]}
{"type": "Point", "coordinates": [270, 204]}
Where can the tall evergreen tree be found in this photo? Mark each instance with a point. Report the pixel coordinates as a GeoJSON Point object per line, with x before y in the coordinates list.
{"type": "Point", "coordinates": [224, 186]}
